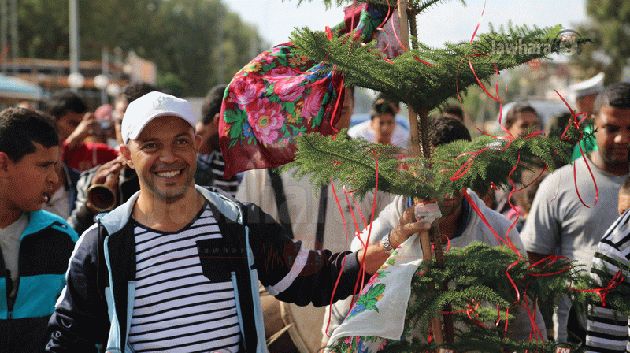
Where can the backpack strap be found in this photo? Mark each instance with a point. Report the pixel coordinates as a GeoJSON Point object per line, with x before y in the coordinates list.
{"type": "Point", "coordinates": [321, 217]}
{"type": "Point", "coordinates": [284, 218]}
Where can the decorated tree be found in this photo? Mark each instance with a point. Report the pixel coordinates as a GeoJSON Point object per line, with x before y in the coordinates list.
{"type": "Point", "coordinates": [459, 299]}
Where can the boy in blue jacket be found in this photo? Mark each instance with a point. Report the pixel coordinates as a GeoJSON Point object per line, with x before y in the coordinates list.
{"type": "Point", "coordinates": [35, 245]}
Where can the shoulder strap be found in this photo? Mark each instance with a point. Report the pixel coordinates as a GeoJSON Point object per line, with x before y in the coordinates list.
{"type": "Point", "coordinates": [281, 201]}
{"type": "Point", "coordinates": [321, 217]}
{"type": "Point", "coordinates": [101, 268]}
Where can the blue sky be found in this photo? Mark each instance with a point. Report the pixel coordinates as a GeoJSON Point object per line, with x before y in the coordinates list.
{"type": "Point", "coordinates": [450, 21]}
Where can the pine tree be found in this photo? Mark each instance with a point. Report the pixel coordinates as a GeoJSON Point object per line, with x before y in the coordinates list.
{"type": "Point", "coordinates": [423, 78]}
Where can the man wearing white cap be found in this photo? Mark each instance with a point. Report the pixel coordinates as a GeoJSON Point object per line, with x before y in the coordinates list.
{"type": "Point", "coordinates": [176, 267]}
{"type": "Point", "coordinates": [585, 93]}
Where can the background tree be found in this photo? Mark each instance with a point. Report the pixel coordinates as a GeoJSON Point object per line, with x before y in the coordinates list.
{"type": "Point", "coordinates": [194, 43]}
{"type": "Point", "coordinates": [609, 29]}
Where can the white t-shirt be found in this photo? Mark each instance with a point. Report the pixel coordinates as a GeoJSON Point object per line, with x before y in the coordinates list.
{"type": "Point", "coordinates": [59, 203]}
{"type": "Point", "coordinates": [10, 246]}
{"type": "Point", "coordinates": [473, 230]}
{"type": "Point", "coordinates": [559, 223]}
{"type": "Point", "coordinates": [400, 137]}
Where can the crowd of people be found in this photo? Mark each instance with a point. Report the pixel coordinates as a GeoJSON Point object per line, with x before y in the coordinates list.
{"type": "Point", "coordinates": [127, 237]}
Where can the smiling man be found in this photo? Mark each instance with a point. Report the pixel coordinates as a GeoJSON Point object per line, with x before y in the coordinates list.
{"type": "Point", "coordinates": [558, 222]}
{"type": "Point", "coordinates": [34, 245]}
{"type": "Point", "coordinates": [176, 267]}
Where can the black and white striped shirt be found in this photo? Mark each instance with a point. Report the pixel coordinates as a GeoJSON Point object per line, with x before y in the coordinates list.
{"type": "Point", "coordinates": [176, 308]}
{"type": "Point", "coordinates": [210, 172]}
{"type": "Point", "coordinates": [607, 330]}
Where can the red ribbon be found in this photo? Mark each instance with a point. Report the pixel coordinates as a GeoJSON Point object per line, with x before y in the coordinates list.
{"type": "Point", "coordinates": [602, 292]}
{"type": "Point", "coordinates": [416, 58]}
{"type": "Point", "coordinates": [577, 123]}
{"type": "Point", "coordinates": [546, 261]}
{"type": "Point", "coordinates": [483, 11]}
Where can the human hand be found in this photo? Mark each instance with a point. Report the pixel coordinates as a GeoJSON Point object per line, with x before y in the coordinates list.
{"type": "Point", "coordinates": [101, 194]}
{"type": "Point", "coordinates": [407, 226]}
{"type": "Point", "coordinates": [85, 128]}
{"type": "Point", "coordinates": [112, 168]}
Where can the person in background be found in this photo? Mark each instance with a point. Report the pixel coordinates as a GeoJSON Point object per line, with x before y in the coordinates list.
{"type": "Point", "coordinates": [608, 331]}
{"type": "Point", "coordinates": [74, 124]}
{"type": "Point", "coordinates": [585, 93]}
{"type": "Point", "coordinates": [35, 245]}
{"type": "Point", "coordinates": [104, 127]}
{"type": "Point", "coordinates": [555, 128]}
{"type": "Point", "coordinates": [123, 182]}
{"type": "Point", "coordinates": [559, 223]}
{"type": "Point", "coordinates": [383, 123]}
{"type": "Point", "coordinates": [312, 217]}
{"type": "Point", "coordinates": [382, 127]}
{"type": "Point", "coordinates": [455, 111]}
{"type": "Point", "coordinates": [459, 223]}
{"type": "Point", "coordinates": [210, 163]}
{"type": "Point", "coordinates": [522, 119]}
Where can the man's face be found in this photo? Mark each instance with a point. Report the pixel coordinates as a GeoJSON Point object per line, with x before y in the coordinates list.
{"type": "Point", "coordinates": [209, 134]}
{"type": "Point", "coordinates": [346, 110]}
{"type": "Point", "coordinates": [165, 158]}
{"type": "Point", "coordinates": [623, 202]}
{"type": "Point", "coordinates": [67, 124]}
{"type": "Point", "coordinates": [526, 121]}
{"type": "Point", "coordinates": [613, 137]}
{"type": "Point", "coordinates": [383, 126]}
{"type": "Point", "coordinates": [117, 115]}
{"type": "Point", "coordinates": [586, 104]}
{"type": "Point", "coordinates": [450, 203]}
{"type": "Point", "coordinates": [30, 182]}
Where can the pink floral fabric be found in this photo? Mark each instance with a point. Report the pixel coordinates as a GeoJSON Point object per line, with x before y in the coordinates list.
{"type": "Point", "coordinates": [281, 95]}
{"type": "Point", "coordinates": [275, 98]}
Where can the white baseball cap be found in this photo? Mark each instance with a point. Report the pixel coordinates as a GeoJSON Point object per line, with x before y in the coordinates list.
{"type": "Point", "coordinates": [593, 85]}
{"type": "Point", "coordinates": [150, 106]}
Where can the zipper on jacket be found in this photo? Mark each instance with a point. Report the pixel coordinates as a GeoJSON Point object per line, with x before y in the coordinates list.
{"type": "Point", "coordinates": [10, 301]}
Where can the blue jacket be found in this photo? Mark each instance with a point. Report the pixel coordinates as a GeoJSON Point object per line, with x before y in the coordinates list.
{"type": "Point", "coordinates": [97, 303]}
{"type": "Point", "coordinates": [45, 248]}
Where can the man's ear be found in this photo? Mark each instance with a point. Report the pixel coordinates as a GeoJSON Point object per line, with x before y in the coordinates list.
{"type": "Point", "coordinates": [4, 163]}
{"type": "Point", "coordinates": [126, 154]}
{"type": "Point", "coordinates": [215, 120]}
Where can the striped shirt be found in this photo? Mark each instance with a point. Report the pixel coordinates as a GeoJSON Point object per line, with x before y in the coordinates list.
{"type": "Point", "coordinates": [177, 308]}
{"type": "Point", "coordinates": [607, 330]}
{"type": "Point", "coordinates": [210, 172]}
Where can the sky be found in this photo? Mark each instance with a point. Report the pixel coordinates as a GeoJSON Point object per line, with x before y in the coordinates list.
{"type": "Point", "coordinates": [449, 21]}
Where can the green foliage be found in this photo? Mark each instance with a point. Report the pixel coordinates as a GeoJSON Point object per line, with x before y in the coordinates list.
{"type": "Point", "coordinates": [354, 163]}
{"type": "Point", "coordinates": [609, 50]}
{"type": "Point", "coordinates": [417, 5]}
{"type": "Point", "coordinates": [425, 77]}
{"type": "Point", "coordinates": [480, 296]}
{"type": "Point", "coordinates": [170, 83]}
{"type": "Point", "coordinates": [490, 161]}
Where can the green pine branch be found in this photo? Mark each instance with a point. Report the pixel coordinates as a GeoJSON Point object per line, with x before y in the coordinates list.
{"type": "Point", "coordinates": [354, 162]}
{"type": "Point", "coordinates": [478, 287]}
{"type": "Point", "coordinates": [425, 77]}
{"type": "Point", "coordinates": [416, 5]}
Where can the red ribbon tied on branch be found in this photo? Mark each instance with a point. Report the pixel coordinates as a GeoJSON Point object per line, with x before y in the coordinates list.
{"type": "Point", "coordinates": [603, 292]}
